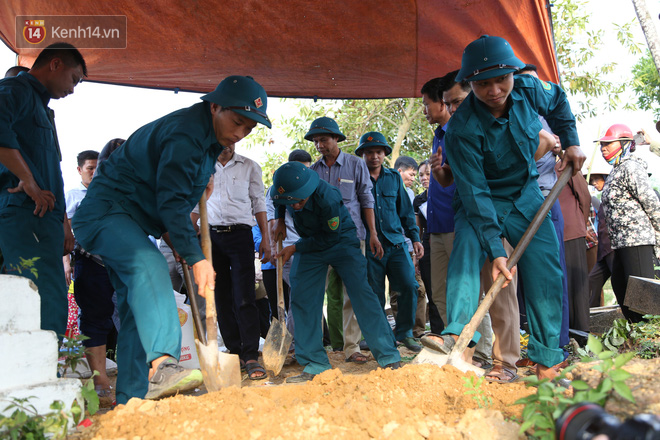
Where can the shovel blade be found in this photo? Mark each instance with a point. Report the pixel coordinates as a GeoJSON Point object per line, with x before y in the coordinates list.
{"type": "Point", "coordinates": [219, 370]}
{"type": "Point", "coordinates": [429, 356]}
{"type": "Point", "coordinates": [276, 347]}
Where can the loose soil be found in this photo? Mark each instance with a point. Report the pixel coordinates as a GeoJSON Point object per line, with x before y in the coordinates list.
{"type": "Point", "coordinates": [350, 401]}
{"type": "Point", "coordinates": [354, 401]}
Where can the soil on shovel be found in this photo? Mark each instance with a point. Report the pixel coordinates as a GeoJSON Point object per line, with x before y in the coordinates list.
{"type": "Point", "coordinates": [352, 401]}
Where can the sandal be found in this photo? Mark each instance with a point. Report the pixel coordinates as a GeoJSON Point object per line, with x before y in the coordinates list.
{"type": "Point", "coordinates": [255, 367]}
{"type": "Point", "coordinates": [444, 347]}
{"type": "Point", "coordinates": [103, 392]}
{"type": "Point", "coordinates": [357, 358]}
{"type": "Point", "coordinates": [501, 374]}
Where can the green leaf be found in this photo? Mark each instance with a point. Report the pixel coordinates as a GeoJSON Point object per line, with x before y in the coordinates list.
{"type": "Point", "coordinates": [594, 345]}
{"type": "Point", "coordinates": [622, 389]}
{"type": "Point", "coordinates": [606, 355]}
{"type": "Point", "coordinates": [580, 385]}
{"type": "Point", "coordinates": [605, 386]}
{"type": "Point", "coordinates": [623, 359]}
{"type": "Point", "coordinates": [619, 375]}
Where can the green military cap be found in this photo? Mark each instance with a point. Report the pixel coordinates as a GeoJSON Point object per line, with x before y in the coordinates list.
{"type": "Point", "coordinates": [488, 57]}
{"type": "Point", "coordinates": [324, 125]}
{"type": "Point", "coordinates": [243, 95]}
{"type": "Point", "coordinates": [293, 182]}
{"type": "Point", "coordinates": [373, 139]}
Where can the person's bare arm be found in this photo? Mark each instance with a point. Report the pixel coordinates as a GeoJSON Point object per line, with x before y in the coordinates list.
{"type": "Point", "coordinates": [264, 247]}
{"type": "Point", "coordinates": [69, 241]}
{"type": "Point", "coordinates": [441, 173]}
{"type": "Point", "coordinates": [546, 143]}
{"type": "Point", "coordinates": [374, 243]}
{"type": "Point", "coordinates": [14, 162]}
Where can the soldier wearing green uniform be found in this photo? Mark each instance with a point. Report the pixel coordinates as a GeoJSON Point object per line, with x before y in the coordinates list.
{"type": "Point", "coordinates": [490, 143]}
{"type": "Point", "coordinates": [149, 186]}
{"type": "Point", "coordinates": [327, 237]}
{"type": "Point", "coordinates": [394, 213]}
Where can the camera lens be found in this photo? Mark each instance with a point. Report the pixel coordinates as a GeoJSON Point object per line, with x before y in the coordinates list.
{"type": "Point", "coordinates": [586, 420]}
{"type": "Point", "coordinates": [583, 421]}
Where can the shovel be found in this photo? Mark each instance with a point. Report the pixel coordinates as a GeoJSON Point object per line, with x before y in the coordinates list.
{"type": "Point", "coordinates": [278, 339]}
{"type": "Point", "coordinates": [454, 358]}
{"type": "Point", "coordinates": [218, 369]}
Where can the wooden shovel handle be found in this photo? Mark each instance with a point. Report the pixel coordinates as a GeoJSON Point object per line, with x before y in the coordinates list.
{"type": "Point", "coordinates": [280, 283]}
{"type": "Point", "coordinates": [468, 331]}
{"type": "Point", "coordinates": [211, 317]}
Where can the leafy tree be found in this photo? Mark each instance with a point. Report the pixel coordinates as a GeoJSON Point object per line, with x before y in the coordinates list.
{"type": "Point", "coordinates": [646, 84]}
{"type": "Point", "coordinates": [400, 120]}
{"type": "Point", "coordinates": [577, 44]}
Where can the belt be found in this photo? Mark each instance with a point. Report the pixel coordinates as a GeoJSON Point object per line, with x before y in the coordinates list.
{"type": "Point", "coordinates": [230, 228]}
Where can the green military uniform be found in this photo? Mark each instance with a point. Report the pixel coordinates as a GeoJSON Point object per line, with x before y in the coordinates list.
{"type": "Point", "coordinates": [497, 195]}
{"type": "Point", "coordinates": [392, 210]}
{"type": "Point", "coordinates": [147, 187]}
{"type": "Point", "coordinates": [328, 238]}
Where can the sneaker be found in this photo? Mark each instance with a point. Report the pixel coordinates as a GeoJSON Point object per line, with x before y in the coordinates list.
{"type": "Point", "coordinates": [412, 345]}
{"type": "Point", "coordinates": [304, 377]}
{"type": "Point", "coordinates": [171, 378]}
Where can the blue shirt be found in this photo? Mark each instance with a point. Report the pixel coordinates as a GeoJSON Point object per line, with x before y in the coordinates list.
{"type": "Point", "coordinates": [392, 209]}
{"type": "Point", "coordinates": [323, 222]}
{"type": "Point", "coordinates": [25, 126]}
{"type": "Point", "coordinates": [159, 174]}
{"type": "Point", "coordinates": [256, 236]}
{"type": "Point", "coordinates": [440, 214]}
{"type": "Point", "coordinates": [492, 159]}
{"type": "Point", "coordinates": [351, 176]}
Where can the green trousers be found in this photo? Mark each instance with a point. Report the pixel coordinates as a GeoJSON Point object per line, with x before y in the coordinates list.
{"type": "Point", "coordinates": [138, 271]}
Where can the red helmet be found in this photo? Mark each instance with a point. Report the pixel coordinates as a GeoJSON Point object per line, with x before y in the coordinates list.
{"type": "Point", "coordinates": [617, 132]}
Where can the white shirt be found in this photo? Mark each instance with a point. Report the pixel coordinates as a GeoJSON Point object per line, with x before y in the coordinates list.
{"type": "Point", "coordinates": [73, 199]}
{"type": "Point", "coordinates": [238, 193]}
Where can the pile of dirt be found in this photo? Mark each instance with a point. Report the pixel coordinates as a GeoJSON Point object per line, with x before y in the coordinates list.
{"type": "Point", "coordinates": [414, 402]}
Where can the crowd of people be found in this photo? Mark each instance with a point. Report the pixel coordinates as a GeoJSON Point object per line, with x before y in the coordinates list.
{"type": "Point", "coordinates": [342, 225]}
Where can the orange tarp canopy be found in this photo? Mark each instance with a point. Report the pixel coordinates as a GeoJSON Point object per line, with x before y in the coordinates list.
{"type": "Point", "coordinates": [294, 48]}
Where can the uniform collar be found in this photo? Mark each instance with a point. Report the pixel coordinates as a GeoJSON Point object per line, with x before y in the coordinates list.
{"type": "Point", "coordinates": [38, 87]}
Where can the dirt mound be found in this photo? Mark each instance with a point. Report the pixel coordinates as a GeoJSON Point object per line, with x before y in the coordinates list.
{"type": "Point", "coordinates": [416, 401]}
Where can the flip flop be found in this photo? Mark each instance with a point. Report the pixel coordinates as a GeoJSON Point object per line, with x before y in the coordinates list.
{"type": "Point", "coordinates": [446, 346]}
{"type": "Point", "coordinates": [501, 374]}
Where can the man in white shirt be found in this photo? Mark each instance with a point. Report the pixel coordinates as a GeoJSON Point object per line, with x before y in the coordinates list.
{"type": "Point", "coordinates": [237, 199]}
{"type": "Point", "coordinates": [92, 288]}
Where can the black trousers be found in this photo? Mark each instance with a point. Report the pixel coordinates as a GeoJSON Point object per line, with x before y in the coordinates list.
{"type": "Point", "coordinates": [601, 272]}
{"type": "Point", "coordinates": [636, 261]}
{"type": "Point", "coordinates": [238, 316]}
{"type": "Point", "coordinates": [437, 325]}
{"type": "Point", "coordinates": [270, 283]}
{"type": "Point", "coordinates": [577, 276]}
{"type": "Point", "coordinates": [93, 292]}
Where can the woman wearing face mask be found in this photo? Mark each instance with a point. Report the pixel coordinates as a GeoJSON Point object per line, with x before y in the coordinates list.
{"type": "Point", "coordinates": [632, 213]}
